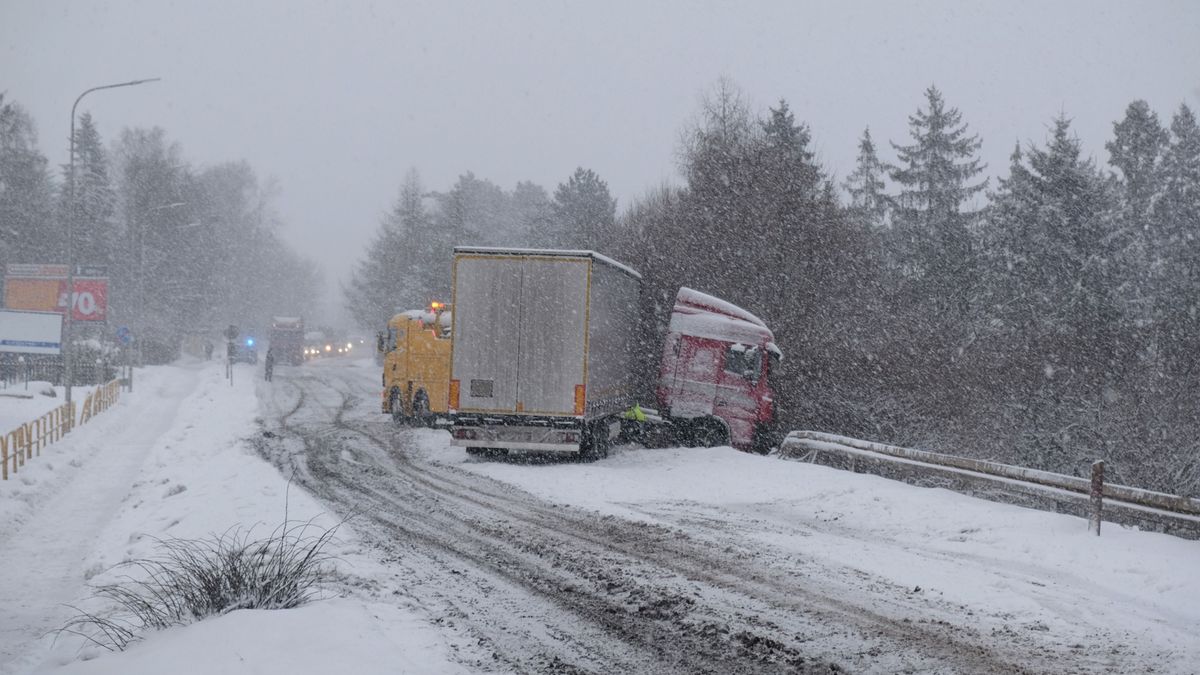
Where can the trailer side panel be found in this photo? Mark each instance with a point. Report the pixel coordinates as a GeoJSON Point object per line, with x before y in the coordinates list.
{"type": "Point", "coordinates": [613, 320]}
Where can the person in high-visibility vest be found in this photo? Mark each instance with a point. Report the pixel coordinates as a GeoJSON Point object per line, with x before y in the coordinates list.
{"type": "Point", "coordinates": [635, 413]}
{"type": "Point", "coordinates": [632, 421]}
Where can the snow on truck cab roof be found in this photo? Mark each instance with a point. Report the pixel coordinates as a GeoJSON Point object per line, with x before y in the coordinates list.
{"type": "Point", "coordinates": [703, 315]}
{"type": "Point", "coordinates": [690, 297]}
{"type": "Point", "coordinates": [503, 251]}
{"type": "Point", "coordinates": [430, 318]}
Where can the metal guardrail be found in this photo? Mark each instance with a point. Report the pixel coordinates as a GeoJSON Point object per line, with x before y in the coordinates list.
{"type": "Point", "coordinates": [26, 441]}
{"type": "Point", "coordinates": [1157, 500]}
{"type": "Point", "coordinates": [1128, 504]}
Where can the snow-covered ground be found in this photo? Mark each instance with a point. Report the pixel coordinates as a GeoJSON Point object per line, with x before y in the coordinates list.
{"type": "Point", "coordinates": [174, 459]}
{"type": "Point", "coordinates": [21, 403]}
{"type": "Point", "coordinates": [1036, 571]}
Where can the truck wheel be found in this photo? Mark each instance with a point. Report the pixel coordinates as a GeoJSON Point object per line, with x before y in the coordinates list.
{"type": "Point", "coordinates": [420, 412]}
{"type": "Point", "coordinates": [396, 404]}
{"type": "Point", "coordinates": [708, 434]}
{"type": "Point", "coordinates": [596, 442]}
{"type": "Point", "coordinates": [763, 441]}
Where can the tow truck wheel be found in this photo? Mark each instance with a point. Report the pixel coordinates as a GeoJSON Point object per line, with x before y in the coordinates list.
{"type": "Point", "coordinates": [421, 409]}
{"type": "Point", "coordinates": [396, 405]}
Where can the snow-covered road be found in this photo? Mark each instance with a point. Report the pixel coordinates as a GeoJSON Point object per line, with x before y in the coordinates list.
{"type": "Point", "coordinates": [719, 561]}
{"type": "Point", "coordinates": [676, 560]}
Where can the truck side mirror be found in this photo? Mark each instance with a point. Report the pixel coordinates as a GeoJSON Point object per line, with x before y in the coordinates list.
{"type": "Point", "coordinates": [379, 342]}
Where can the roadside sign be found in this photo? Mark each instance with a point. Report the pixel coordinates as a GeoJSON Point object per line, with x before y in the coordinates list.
{"type": "Point", "coordinates": [124, 336]}
{"type": "Point", "coordinates": [43, 288]}
{"type": "Point", "coordinates": [30, 332]}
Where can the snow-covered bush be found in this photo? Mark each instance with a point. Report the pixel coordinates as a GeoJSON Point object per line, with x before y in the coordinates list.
{"type": "Point", "coordinates": [192, 579]}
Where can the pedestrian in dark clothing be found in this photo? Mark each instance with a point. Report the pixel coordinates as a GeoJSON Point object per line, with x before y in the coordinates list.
{"type": "Point", "coordinates": [269, 366]}
{"type": "Point", "coordinates": [208, 350]}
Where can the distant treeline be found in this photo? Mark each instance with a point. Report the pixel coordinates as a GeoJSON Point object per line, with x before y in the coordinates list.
{"type": "Point", "coordinates": [1048, 320]}
{"type": "Point", "coordinates": [188, 249]}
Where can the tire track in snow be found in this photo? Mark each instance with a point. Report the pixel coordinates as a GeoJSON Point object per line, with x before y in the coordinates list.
{"type": "Point", "coordinates": [609, 594]}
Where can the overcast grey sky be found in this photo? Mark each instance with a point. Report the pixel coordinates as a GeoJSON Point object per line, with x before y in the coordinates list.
{"type": "Point", "coordinates": [336, 100]}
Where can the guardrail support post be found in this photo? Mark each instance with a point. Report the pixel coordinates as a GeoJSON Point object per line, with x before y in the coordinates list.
{"type": "Point", "coordinates": [1097, 494]}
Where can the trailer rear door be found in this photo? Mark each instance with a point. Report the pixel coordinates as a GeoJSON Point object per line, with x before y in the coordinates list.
{"type": "Point", "coordinates": [487, 315]}
{"type": "Point", "coordinates": [553, 345]}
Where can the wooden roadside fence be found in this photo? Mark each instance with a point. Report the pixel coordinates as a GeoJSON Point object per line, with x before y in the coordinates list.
{"type": "Point", "coordinates": [26, 441]}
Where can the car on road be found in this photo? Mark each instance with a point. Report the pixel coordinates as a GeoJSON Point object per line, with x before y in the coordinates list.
{"type": "Point", "coordinates": [245, 350]}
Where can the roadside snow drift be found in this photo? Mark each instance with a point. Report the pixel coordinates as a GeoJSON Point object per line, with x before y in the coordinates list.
{"type": "Point", "coordinates": [172, 459]}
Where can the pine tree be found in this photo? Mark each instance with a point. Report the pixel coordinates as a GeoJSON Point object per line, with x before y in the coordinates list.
{"type": "Point", "coordinates": [796, 237]}
{"type": "Point", "coordinates": [155, 274]}
{"type": "Point", "coordinates": [868, 201]}
{"type": "Point", "coordinates": [406, 265]}
{"type": "Point", "coordinates": [584, 212]}
{"type": "Point", "coordinates": [931, 267]}
{"type": "Point", "coordinates": [29, 232]}
{"type": "Point", "coordinates": [1136, 150]}
{"type": "Point", "coordinates": [1173, 463]}
{"type": "Point", "coordinates": [95, 234]}
{"type": "Point", "coordinates": [429, 247]}
{"type": "Point", "coordinates": [1054, 319]}
{"type": "Point", "coordinates": [1177, 215]}
{"type": "Point", "coordinates": [718, 164]}
{"type": "Point", "coordinates": [476, 211]}
{"type": "Point", "coordinates": [1137, 144]}
{"type": "Point", "coordinates": [534, 214]}
{"type": "Point", "coordinates": [935, 176]}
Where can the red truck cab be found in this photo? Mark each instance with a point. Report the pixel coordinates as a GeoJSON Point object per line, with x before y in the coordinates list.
{"type": "Point", "coordinates": [714, 378]}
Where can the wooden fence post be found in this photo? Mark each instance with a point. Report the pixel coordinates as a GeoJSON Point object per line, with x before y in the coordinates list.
{"type": "Point", "coordinates": [1097, 494]}
{"type": "Point", "coordinates": [21, 438]}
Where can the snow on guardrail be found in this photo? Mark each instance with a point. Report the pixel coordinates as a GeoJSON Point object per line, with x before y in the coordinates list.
{"type": "Point", "coordinates": [1147, 509]}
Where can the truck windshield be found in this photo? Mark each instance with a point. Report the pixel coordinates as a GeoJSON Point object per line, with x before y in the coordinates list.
{"type": "Point", "coordinates": [743, 360]}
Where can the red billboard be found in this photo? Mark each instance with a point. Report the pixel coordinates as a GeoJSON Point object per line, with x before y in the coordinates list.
{"type": "Point", "coordinates": [43, 288]}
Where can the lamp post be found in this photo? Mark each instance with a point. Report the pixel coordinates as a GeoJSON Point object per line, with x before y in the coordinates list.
{"type": "Point", "coordinates": [71, 208]}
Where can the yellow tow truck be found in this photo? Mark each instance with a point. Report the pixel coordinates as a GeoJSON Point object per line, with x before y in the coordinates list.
{"type": "Point", "coordinates": [416, 364]}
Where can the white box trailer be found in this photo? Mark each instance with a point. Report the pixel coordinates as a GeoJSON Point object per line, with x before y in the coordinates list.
{"type": "Point", "coordinates": [541, 359]}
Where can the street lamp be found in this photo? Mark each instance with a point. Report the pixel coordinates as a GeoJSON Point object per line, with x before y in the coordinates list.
{"type": "Point", "coordinates": [71, 207]}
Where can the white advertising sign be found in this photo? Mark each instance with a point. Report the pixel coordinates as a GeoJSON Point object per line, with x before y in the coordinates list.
{"type": "Point", "coordinates": [30, 332]}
